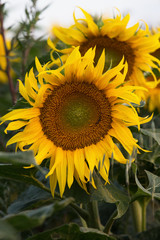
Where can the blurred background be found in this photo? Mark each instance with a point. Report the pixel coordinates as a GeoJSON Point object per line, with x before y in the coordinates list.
{"type": "Point", "coordinates": [61, 11]}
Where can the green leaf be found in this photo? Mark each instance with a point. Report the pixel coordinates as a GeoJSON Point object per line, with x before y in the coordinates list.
{"type": "Point", "coordinates": [19, 158]}
{"type": "Point", "coordinates": [111, 194]}
{"type": "Point", "coordinates": [139, 194]}
{"type": "Point", "coordinates": [153, 188]}
{"type": "Point", "coordinates": [32, 197]}
{"type": "Point", "coordinates": [72, 232]}
{"type": "Point", "coordinates": [32, 218]}
{"type": "Point", "coordinates": [11, 167]}
{"type": "Point", "coordinates": [7, 232]}
{"type": "Point", "coordinates": [153, 134]}
{"type": "Point", "coordinates": [19, 174]}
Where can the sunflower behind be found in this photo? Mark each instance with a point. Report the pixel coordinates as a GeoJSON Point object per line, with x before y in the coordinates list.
{"type": "Point", "coordinates": [135, 44]}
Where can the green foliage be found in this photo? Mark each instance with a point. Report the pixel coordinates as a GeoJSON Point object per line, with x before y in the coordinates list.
{"type": "Point", "coordinates": [153, 233]}
{"type": "Point", "coordinates": [19, 158]}
{"type": "Point", "coordinates": [111, 194]}
{"type": "Point", "coordinates": [29, 219]}
{"type": "Point", "coordinates": [8, 232]}
{"type": "Point", "coordinates": [153, 188]}
{"type": "Point", "coordinates": [71, 232]}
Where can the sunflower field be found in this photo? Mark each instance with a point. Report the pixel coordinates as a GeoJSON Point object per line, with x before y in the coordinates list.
{"type": "Point", "coordinates": [79, 129]}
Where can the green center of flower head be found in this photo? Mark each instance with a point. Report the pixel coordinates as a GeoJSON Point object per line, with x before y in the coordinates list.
{"type": "Point", "coordinates": [75, 115]}
{"type": "Point", "coordinates": [114, 51]}
{"type": "Point", "coordinates": [79, 111]}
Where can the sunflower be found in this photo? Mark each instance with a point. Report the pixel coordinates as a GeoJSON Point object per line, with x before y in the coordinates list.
{"type": "Point", "coordinates": [153, 93]}
{"type": "Point", "coordinates": [154, 31]}
{"type": "Point", "coordinates": [74, 118]}
{"type": "Point", "coordinates": [119, 40]}
{"type": "Point", "coordinates": [153, 96]}
{"type": "Point", "coordinates": [3, 61]}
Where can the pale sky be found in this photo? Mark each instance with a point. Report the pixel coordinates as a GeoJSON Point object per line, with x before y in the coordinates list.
{"type": "Point", "coordinates": [61, 11]}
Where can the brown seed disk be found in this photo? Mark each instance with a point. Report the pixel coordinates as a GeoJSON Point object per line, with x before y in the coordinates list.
{"type": "Point", "coordinates": [75, 115]}
{"type": "Point", "coordinates": [115, 50]}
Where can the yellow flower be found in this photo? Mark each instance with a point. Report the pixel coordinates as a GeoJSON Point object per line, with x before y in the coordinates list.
{"type": "Point", "coordinates": [74, 118]}
{"type": "Point", "coordinates": [153, 96]}
{"type": "Point", "coordinates": [119, 40]}
{"type": "Point", "coordinates": [153, 93]}
{"type": "Point", "coordinates": [3, 62]}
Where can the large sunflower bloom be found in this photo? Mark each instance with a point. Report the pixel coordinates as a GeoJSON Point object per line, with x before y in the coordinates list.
{"type": "Point", "coordinates": [74, 118]}
{"type": "Point", "coordinates": [119, 40]}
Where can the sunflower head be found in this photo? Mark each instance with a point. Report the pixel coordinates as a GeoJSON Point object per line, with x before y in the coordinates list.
{"type": "Point", "coordinates": [74, 118]}
{"type": "Point", "coordinates": [118, 40]}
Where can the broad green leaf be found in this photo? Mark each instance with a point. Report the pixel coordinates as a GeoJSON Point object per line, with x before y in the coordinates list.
{"type": "Point", "coordinates": [72, 232]}
{"type": "Point", "coordinates": [30, 198]}
{"type": "Point", "coordinates": [19, 158]}
{"type": "Point", "coordinates": [17, 173]}
{"type": "Point", "coordinates": [11, 167]}
{"type": "Point", "coordinates": [139, 194]}
{"type": "Point", "coordinates": [32, 218]}
{"type": "Point", "coordinates": [153, 134]}
{"type": "Point", "coordinates": [153, 188]}
{"type": "Point", "coordinates": [7, 232]}
{"type": "Point", "coordinates": [111, 194]}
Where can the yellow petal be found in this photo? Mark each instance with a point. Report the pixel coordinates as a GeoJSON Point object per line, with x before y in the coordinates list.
{"type": "Point", "coordinates": [102, 82]}
{"type": "Point", "coordinates": [61, 169]}
{"type": "Point", "coordinates": [79, 163]}
{"type": "Point", "coordinates": [70, 160]}
{"type": "Point", "coordinates": [90, 157]}
{"type": "Point", "coordinates": [24, 93]}
{"type": "Point", "coordinates": [46, 148]}
{"type": "Point", "coordinates": [24, 114]}
{"type": "Point", "coordinates": [52, 178]}
{"type": "Point", "coordinates": [91, 24]}
{"type": "Point", "coordinates": [61, 33]}
{"type": "Point", "coordinates": [118, 156]}
{"type": "Point", "coordinates": [38, 65]}
{"type": "Point", "coordinates": [64, 51]}
{"type": "Point", "coordinates": [100, 65]}
{"type": "Point", "coordinates": [58, 158]}
{"type": "Point", "coordinates": [40, 96]}
{"type": "Point", "coordinates": [15, 125]}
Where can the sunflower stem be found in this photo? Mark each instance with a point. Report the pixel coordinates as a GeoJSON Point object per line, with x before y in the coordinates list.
{"type": "Point", "coordinates": [94, 218]}
{"type": "Point", "coordinates": [110, 222]}
{"type": "Point", "coordinates": [137, 215]}
{"type": "Point", "coordinates": [139, 208]}
{"type": "Point", "coordinates": [82, 213]}
{"type": "Point", "coordinates": [84, 223]}
{"type": "Point", "coordinates": [144, 206]}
